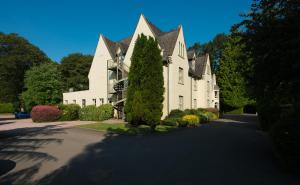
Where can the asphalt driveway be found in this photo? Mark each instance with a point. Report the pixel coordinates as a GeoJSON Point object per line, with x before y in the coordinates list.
{"type": "Point", "coordinates": [230, 151]}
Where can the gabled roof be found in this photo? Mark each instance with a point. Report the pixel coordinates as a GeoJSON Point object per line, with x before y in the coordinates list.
{"type": "Point", "coordinates": [200, 66]}
{"type": "Point", "coordinates": [168, 41]}
{"type": "Point", "coordinates": [191, 54]}
{"type": "Point", "coordinates": [113, 46]}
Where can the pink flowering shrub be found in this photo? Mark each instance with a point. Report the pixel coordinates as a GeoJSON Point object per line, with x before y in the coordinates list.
{"type": "Point", "coordinates": [45, 113]}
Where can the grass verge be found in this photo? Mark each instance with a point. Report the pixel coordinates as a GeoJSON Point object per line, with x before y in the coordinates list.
{"type": "Point", "coordinates": [121, 128]}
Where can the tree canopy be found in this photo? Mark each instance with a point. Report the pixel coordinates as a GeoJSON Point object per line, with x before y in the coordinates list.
{"type": "Point", "coordinates": [17, 55]}
{"type": "Point", "coordinates": [145, 90]}
{"type": "Point", "coordinates": [271, 32]}
{"type": "Point", "coordinates": [214, 48]}
{"type": "Point", "coordinates": [75, 69]}
{"type": "Point", "coordinates": [43, 86]}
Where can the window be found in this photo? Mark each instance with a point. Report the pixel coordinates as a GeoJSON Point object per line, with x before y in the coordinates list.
{"type": "Point", "coordinates": [83, 102]}
{"type": "Point", "coordinates": [74, 101]}
{"type": "Point", "coordinates": [179, 49]}
{"type": "Point", "coordinates": [216, 94]}
{"type": "Point", "coordinates": [180, 103]}
{"type": "Point", "coordinates": [101, 101]}
{"type": "Point", "coordinates": [195, 85]}
{"type": "Point", "coordinates": [66, 101]}
{"type": "Point", "coordinates": [216, 105]}
{"type": "Point", "coordinates": [195, 103]}
{"type": "Point", "coordinates": [182, 47]}
{"type": "Point", "coordinates": [94, 101]}
{"type": "Point", "coordinates": [180, 76]}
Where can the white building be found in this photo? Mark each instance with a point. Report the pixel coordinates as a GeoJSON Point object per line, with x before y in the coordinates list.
{"type": "Point", "coordinates": [188, 80]}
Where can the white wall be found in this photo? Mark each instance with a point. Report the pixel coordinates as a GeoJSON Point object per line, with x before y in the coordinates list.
{"type": "Point", "coordinates": [177, 89]}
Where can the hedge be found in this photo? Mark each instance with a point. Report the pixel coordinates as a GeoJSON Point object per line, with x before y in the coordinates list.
{"type": "Point", "coordinates": [69, 112]}
{"type": "Point", "coordinates": [286, 139]}
{"type": "Point", "coordinates": [45, 113]}
{"type": "Point", "coordinates": [192, 120]}
{"type": "Point", "coordinates": [6, 108]}
{"type": "Point", "coordinates": [93, 113]}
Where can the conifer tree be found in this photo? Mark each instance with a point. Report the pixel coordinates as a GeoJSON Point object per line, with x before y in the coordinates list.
{"type": "Point", "coordinates": [145, 89]}
{"type": "Point", "coordinates": [152, 83]}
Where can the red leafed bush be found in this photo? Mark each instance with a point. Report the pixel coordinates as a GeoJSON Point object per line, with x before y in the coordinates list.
{"type": "Point", "coordinates": [45, 113]}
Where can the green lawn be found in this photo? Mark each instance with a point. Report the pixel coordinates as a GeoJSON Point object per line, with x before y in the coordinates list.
{"type": "Point", "coordinates": [121, 128]}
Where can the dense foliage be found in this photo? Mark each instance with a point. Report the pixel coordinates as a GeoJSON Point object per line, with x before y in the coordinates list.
{"type": "Point", "coordinates": [6, 108]}
{"type": "Point", "coordinates": [214, 48]}
{"type": "Point", "coordinates": [143, 105]}
{"type": "Point", "coordinates": [93, 113]}
{"type": "Point", "coordinates": [17, 55]}
{"type": "Point", "coordinates": [188, 117]}
{"type": "Point", "coordinates": [230, 79]}
{"type": "Point", "coordinates": [69, 112]}
{"type": "Point", "coordinates": [75, 69]}
{"type": "Point", "coordinates": [43, 86]}
{"type": "Point", "coordinates": [45, 113]}
{"type": "Point", "coordinates": [271, 32]}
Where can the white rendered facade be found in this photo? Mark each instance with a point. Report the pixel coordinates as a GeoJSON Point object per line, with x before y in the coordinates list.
{"type": "Point", "coordinates": [188, 81]}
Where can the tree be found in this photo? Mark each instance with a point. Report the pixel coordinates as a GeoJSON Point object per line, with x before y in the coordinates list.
{"type": "Point", "coordinates": [43, 86]}
{"type": "Point", "coordinates": [17, 55]}
{"type": "Point", "coordinates": [75, 69]}
{"type": "Point", "coordinates": [145, 89]}
{"type": "Point", "coordinates": [233, 91]}
{"type": "Point", "coordinates": [271, 32]}
{"type": "Point", "coordinates": [214, 48]}
{"type": "Point", "coordinates": [152, 83]}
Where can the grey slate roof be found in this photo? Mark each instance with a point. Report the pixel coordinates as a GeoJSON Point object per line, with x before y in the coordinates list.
{"type": "Point", "coordinates": [191, 53]}
{"type": "Point", "coordinates": [113, 46]}
{"type": "Point", "coordinates": [200, 65]}
{"type": "Point", "coordinates": [167, 41]}
{"type": "Point", "coordinates": [216, 87]}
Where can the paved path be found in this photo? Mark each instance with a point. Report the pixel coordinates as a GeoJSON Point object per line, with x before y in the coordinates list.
{"type": "Point", "coordinates": [230, 151]}
{"type": "Point", "coordinates": [9, 123]}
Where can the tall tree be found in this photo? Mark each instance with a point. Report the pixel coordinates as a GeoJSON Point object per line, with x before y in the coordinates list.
{"type": "Point", "coordinates": [134, 82]}
{"type": "Point", "coordinates": [17, 55]}
{"type": "Point", "coordinates": [75, 69]}
{"type": "Point", "coordinates": [43, 85]}
{"type": "Point", "coordinates": [145, 79]}
{"type": "Point", "coordinates": [214, 48]}
{"type": "Point", "coordinates": [233, 93]}
{"type": "Point", "coordinates": [271, 32]}
{"type": "Point", "coordinates": [152, 83]}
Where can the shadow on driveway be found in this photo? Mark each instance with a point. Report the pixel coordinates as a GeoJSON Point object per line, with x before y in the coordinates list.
{"type": "Point", "coordinates": [20, 146]}
{"type": "Point", "coordinates": [231, 151]}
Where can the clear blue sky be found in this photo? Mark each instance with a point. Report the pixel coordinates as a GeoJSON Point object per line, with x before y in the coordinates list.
{"type": "Point", "coordinates": [61, 27]}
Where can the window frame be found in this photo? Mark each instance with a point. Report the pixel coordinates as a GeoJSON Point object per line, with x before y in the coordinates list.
{"type": "Point", "coordinates": [181, 103]}
{"type": "Point", "coordinates": [180, 76]}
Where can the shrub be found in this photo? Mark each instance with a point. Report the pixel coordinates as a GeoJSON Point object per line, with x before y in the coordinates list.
{"type": "Point", "coordinates": [176, 113]}
{"type": "Point", "coordinates": [45, 113]}
{"type": "Point", "coordinates": [192, 120]}
{"type": "Point", "coordinates": [89, 113]}
{"type": "Point", "coordinates": [213, 110]}
{"type": "Point", "coordinates": [170, 121]}
{"type": "Point", "coordinates": [182, 123]}
{"type": "Point", "coordinates": [235, 111]}
{"type": "Point", "coordinates": [211, 116]}
{"type": "Point", "coordinates": [6, 108]}
{"type": "Point", "coordinates": [105, 111]}
{"type": "Point", "coordinates": [286, 138]}
{"type": "Point", "coordinates": [69, 112]}
{"type": "Point", "coordinates": [93, 113]}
